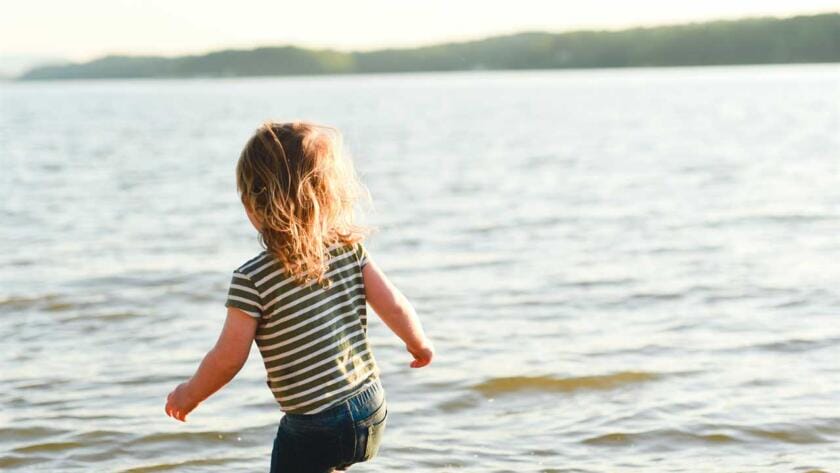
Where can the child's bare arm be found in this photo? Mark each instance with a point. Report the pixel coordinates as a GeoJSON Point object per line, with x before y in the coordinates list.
{"type": "Point", "coordinates": [397, 313]}
{"type": "Point", "coordinates": [218, 367]}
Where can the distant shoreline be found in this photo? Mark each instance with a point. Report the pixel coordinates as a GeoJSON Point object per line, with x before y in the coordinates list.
{"type": "Point", "coordinates": [13, 80]}
{"type": "Point", "coordinates": [810, 39]}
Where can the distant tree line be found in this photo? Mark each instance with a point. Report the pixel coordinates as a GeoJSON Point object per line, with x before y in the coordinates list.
{"type": "Point", "coordinates": [802, 39]}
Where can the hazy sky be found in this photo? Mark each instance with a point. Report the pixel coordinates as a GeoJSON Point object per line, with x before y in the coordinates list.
{"type": "Point", "coordinates": [84, 29]}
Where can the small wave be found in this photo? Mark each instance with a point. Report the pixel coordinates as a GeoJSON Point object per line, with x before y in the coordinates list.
{"type": "Point", "coordinates": [21, 262]}
{"type": "Point", "coordinates": [792, 435]}
{"type": "Point", "coordinates": [455, 262]}
{"type": "Point", "coordinates": [460, 403]}
{"type": "Point", "coordinates": [547, 222]}
{"type": "Point", "coordinates": [715, 295]}
{"type": "Point", "coordinates": [796, 435]}
{"type": "Point", "coordinates": [18, 461]}
{"type": "Point", "coordinates": [769, 218]}
{"type": "Point", "coordinates": [655, 296]}
{"type": "Point", "coordinates": [565, 470]}
{"type": "Point", "coordinates": [46, 303]}
{"type": "Point", "coordinates": [791, 345]}
{"type": "Point", "coordinates": [488, 263]}
{"type": "Point", "coordinates": [104, 316]}
{"type": "Point", "coordinates": [99, 436]}
{"type": "Point", "coordinates": [146, 380]}
{"type": "Point", "coordinates": [642, 299]}
{"type": "Point", "coordinates": [790, 304]}
{"type": "Point", "coordinates": [18, 433]}
{"type": "Point", "coordinates": [797, 345]}
{"type": "Point", "coordinates": [48, 447]}
{"type": "Point", "coordinates": [701, 249]}
{"type": "Point", "coordinates": [145, 279]}
{"type": "Point", "coordinates": [670, 436]}
{"type": "Point", "coordinates": [185, 437]}
{"type": "Point", "coordinates": [201, 437]}
{"type": "Point", "coordinates": [649, 350]}
{"type": "Point", "coordinates": [547, 383]}
{"type": "Point", "coordinates": [591, 283]}
{"type": "Point", "coordinates": [24, 302]}
{"type": "Point", "coordinates": [199, 462]}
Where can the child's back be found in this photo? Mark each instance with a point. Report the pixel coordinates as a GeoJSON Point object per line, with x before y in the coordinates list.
{"type": "Point", "coordinates": [312, 339]}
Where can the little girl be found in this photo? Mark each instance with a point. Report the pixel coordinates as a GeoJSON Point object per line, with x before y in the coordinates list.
{"type": "Point", "coordinates": [303, 300]}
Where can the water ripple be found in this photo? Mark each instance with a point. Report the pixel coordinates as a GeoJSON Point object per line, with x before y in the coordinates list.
{"type": "Point", "coordinates": [512, 384]}
{"type": "Point", "coordinates": [741, 434]}
{"type": "Point", "coordinates": [665, 436]}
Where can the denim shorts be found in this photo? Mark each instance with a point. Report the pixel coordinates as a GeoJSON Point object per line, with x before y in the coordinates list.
{"type": "Point", "coordinates": [347, 433]}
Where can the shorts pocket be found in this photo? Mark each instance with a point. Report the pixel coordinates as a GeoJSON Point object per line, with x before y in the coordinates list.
{"type": "Point", "coordinates": [375, 432]}
{"type": "Point", "coordinates": [369, 434]}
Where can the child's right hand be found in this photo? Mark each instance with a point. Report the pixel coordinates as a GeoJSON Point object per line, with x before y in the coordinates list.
{"type": "Point", "coordinates": [422, 355]}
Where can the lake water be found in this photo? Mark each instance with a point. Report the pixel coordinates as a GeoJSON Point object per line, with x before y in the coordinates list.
{"type": "Point", "coordinates": [623, 270]}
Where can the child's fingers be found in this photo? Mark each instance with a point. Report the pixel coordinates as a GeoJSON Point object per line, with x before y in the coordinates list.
{"type": "Point", "coordinates": [174, 412]}
{"type": "Point", "coordinates": [422, 357]}
{"type": "Point", "coordinates": [420, 363]}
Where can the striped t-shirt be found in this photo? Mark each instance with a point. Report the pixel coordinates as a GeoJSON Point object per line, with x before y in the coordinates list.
{"type": "Point", "coordinates": [313, 340]}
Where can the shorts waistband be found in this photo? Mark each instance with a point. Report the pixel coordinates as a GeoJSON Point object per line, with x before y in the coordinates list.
{"type": "Point", "coordinates": [371, 391]}
{"type": "Point", "coordinates": [362, 404]}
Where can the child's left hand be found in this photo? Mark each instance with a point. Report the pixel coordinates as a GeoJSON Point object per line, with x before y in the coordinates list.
{"type": "Point", "coordinates": [179, 403]}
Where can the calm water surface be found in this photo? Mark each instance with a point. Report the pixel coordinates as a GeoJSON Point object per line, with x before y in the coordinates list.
{"type": "Point", "coordinates": [629, 270]}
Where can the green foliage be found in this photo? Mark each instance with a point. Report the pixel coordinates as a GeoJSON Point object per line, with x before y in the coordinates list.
{"type": "Point", "coordinates": [751, 41]}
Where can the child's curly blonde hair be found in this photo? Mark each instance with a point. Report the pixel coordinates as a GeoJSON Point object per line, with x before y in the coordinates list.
{"type": "Point", "coordinates": [301, 188]}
